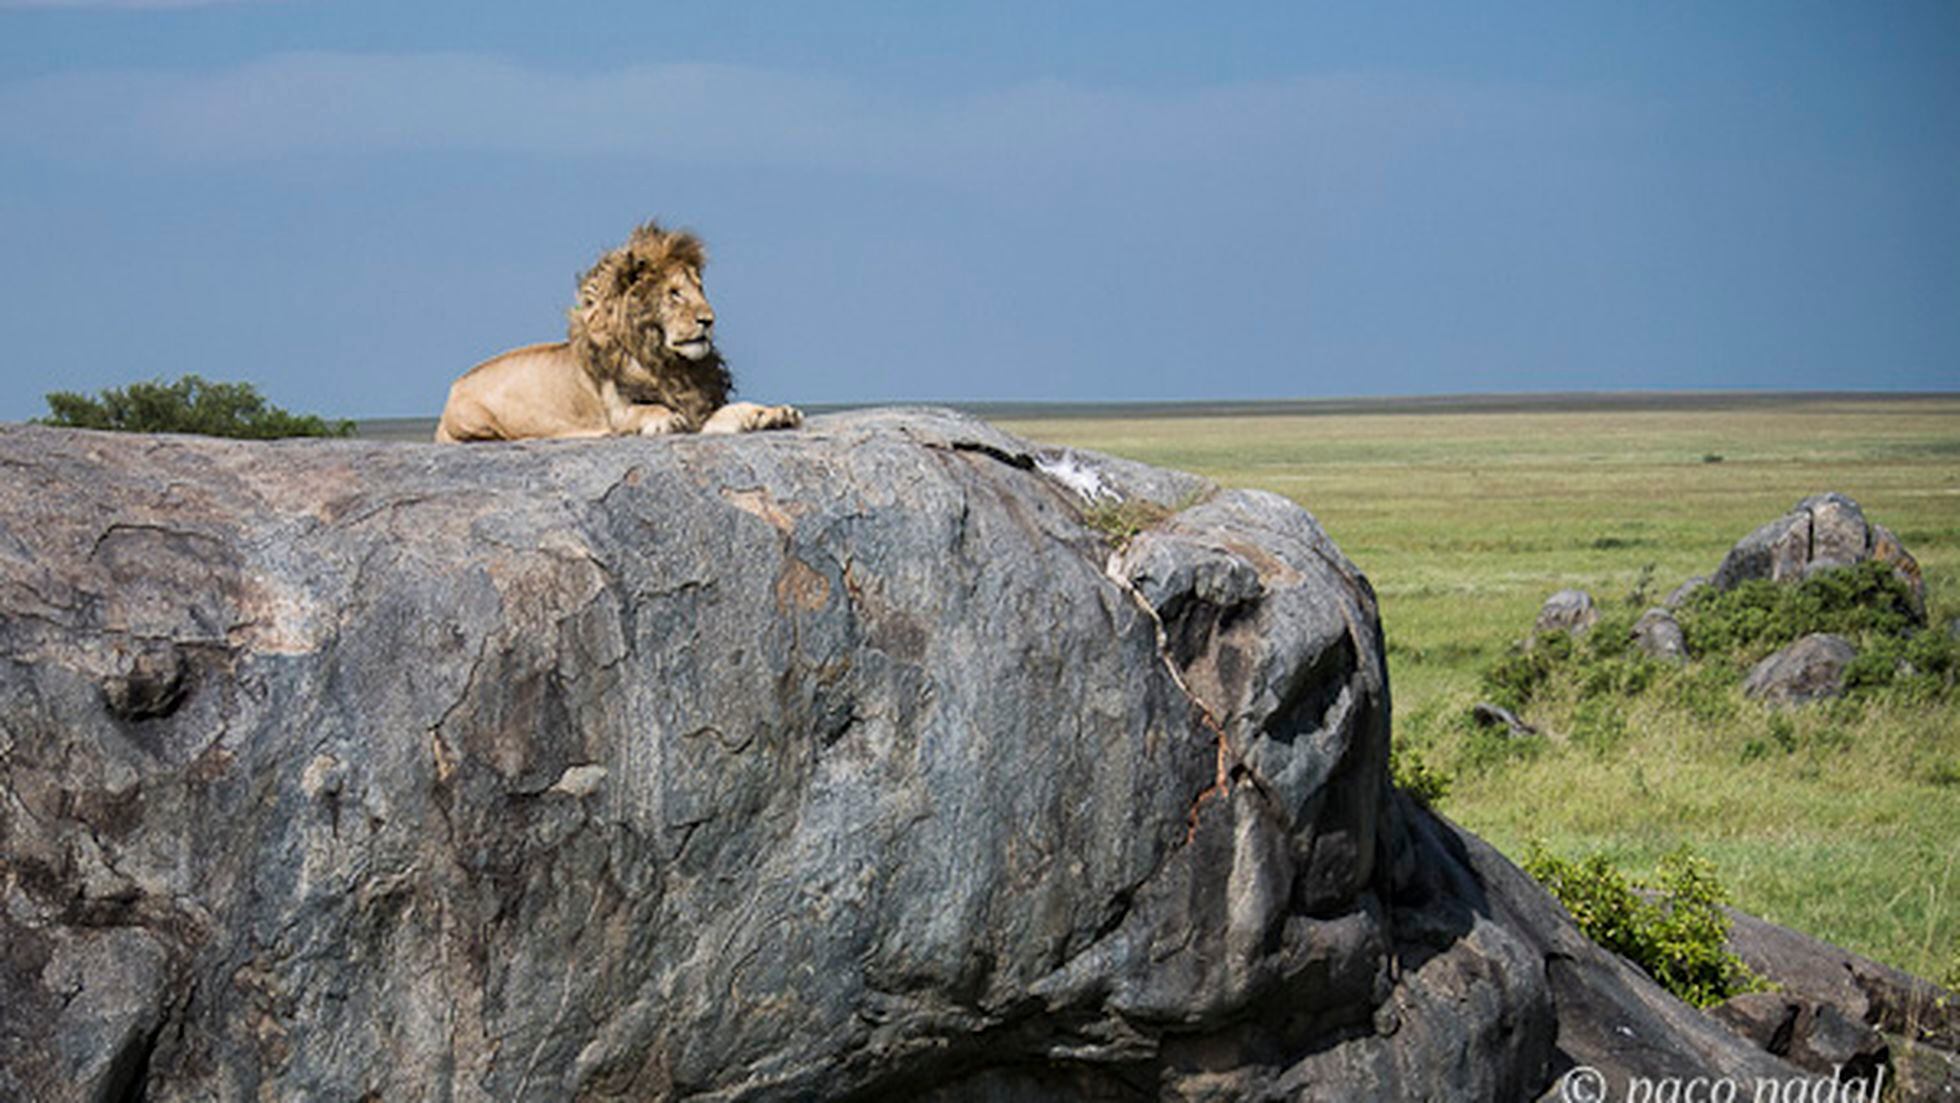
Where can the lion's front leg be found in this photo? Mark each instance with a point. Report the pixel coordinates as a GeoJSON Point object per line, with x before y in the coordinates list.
{"type": "Point", "coordinates": [648, 419]}
{"type": "Point", "coordinates": [745, 417]}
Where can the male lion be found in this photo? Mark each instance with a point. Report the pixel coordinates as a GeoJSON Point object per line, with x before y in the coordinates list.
{"type": "Point", "coordinates": [640, 359]}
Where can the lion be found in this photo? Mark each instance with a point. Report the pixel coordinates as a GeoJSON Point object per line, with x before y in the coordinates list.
{"type": "Point", "coordinates": [639, 359]}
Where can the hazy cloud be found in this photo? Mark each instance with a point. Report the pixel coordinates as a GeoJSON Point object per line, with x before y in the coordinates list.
{"type": "Point", "coordinates": [358, 104]}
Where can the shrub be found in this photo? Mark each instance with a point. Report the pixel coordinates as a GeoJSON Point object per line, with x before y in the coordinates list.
{"type": "Point", "coordinates": [190, 405]}
{"type": "Point", "coordinates": [1759, 616]}
{"type": "Point", "coordinates": [1513, 680]}
{"type": "Point", "coordinates": [1921, 667]}
{"type": "Point", "coordinates": [1413, 774]}
{"type": "Point", "coordinates": [1119, 522]}
{"type": "Point", "coordinates": [1679, 938]}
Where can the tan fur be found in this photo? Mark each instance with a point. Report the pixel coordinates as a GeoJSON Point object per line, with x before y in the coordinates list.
{"type": "Point", "coordinates": [639, 359]}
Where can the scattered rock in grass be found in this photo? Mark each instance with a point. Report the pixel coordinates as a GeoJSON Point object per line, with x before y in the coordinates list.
{"type": "Point", "coordinates": [1823, 531]}
{"type": "Point", "coordinates": [1658, 635]}
{"type": "Point", "coordinates": [1488, 715]}
{"type": "Point", "coordinates": [1808, 669]}
{"type": "Point", "coordinates": [1569, 611]}
{"type": "Point", "coordinates": [1683, 592]}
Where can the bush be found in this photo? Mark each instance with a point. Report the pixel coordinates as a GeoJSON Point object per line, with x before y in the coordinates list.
{"type": "Point", "coordinates": [1679, 939]}
{"type": "Point", "coordinates": [1921, 667]}
{"type": "Point", "coordinates": [1512, 681]}
{"type": "Point", "coordinates": [1413, 774]}
{"type": "Point", "coordinates": [190, 405]}
{"type": "Point", "coordinates": [1759, 616]}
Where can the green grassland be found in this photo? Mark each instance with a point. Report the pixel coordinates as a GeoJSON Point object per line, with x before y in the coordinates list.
{"type": "Point", "coordinates": [1840, 819]}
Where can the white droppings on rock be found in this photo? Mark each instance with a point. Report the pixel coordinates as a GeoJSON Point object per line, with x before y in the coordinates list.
{"type": "Point", "coordinates": [1067, 468]}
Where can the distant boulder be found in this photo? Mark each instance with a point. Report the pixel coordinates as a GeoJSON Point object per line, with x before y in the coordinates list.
{"type": "Point", "coordinates": [1569, 611]}
{"type": "Point", "coordinates": [1658, 635]}
{"type": "Point", "coordinates": [1810, 668]}
{"type": "Point", "coordinates": [1822, 531]}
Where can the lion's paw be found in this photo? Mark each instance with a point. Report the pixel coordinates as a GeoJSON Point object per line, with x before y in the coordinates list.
{"type": "Point", "coordinates": [747, 417]}
{"type": "Point", "coordinates": [775, 417]}
{"type": "Point", "coordinates": [667, 421]}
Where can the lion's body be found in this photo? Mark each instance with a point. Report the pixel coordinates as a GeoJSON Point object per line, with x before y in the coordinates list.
{"type": "Point", "coordinates": [639, 360]}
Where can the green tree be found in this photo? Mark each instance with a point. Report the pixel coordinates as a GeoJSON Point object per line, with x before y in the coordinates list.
{"type": "Point", "coordinates": [190, 405]}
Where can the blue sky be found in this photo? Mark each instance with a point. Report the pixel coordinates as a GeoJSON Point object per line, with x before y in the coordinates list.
{"type": "Point", "coordinates": [349, 203]}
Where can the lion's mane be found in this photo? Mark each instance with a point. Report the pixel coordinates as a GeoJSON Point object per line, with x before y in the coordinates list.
{"type": "Point", "coordinates": [614, 336]}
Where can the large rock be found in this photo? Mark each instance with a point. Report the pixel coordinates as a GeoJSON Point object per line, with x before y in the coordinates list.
{"type": "Point", "coordinates": [844, 763]}
{"type": "Point", "coordinates": [1821, 532]}
{"type": "Point", "coordinates": [1808, 669]}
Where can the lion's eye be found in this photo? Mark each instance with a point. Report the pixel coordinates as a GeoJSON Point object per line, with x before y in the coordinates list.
{"type": "Point", "coordinates": [673, 294]}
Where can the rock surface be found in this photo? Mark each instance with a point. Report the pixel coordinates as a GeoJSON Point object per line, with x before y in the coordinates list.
{"type": "Point", "coordinates": [848, 763]}
{"type": "Point", "coordinates": [1808, 669]}
{"type": "Point", "coordinates": [1820, 532]}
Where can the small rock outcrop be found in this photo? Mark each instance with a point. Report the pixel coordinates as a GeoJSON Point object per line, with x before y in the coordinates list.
{"type": "Point", "coordinates": [1816, 1037]}
{"type": "Point", "coordinates": [1820, 532]}
{"type": "Point", "coordinates": [1569, 611]}
{"type": "Point", "coordinates": [1658, 636]}
{"type": "Point", "coordinates": [849, 763]}
{"type": "Point", "coordinates": [1808, 669]}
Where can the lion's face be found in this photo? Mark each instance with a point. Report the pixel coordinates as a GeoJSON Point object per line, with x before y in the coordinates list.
{"type": "Point", "coordinates": [679, 307]}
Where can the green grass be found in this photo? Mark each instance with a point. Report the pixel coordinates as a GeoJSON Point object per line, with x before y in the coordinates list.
{"type": "Point", "coordinates": [1841, 820]}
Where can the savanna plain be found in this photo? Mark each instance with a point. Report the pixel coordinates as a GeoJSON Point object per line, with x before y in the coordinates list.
{"type": "Point", "coordinates": [1839, 818]}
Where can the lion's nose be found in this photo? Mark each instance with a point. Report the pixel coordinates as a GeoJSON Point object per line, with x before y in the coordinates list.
{"type": "Point", "coordinates": [705, 321]}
